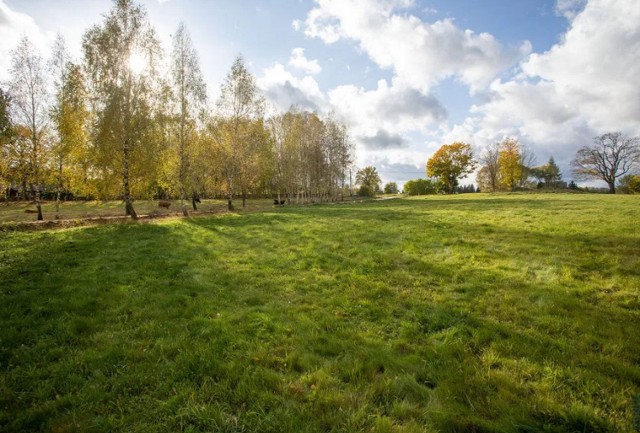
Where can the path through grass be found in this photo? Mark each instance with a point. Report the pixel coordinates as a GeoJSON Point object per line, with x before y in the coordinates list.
{"type": "Point", "coordinates": [510, 313]}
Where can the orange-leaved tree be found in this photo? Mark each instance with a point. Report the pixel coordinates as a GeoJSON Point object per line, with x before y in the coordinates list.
{"type": "Point", "coordinates": [449, 163]}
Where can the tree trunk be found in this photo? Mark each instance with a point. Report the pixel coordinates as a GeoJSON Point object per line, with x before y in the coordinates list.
{"type": "Point", "coordinates": [193, 202]}
{"type": "Point", "coordinates": [183, 164]}
{"type": "Point", "coordinates": [244, 199]}
{"type": "Point", "coordinates": [37, 194]}
{"type": "Point", "coordinates": [128, 204]}
{"type": "Point", "coordinates": [230, 193]}
{"type": "Point", "coordinates": [183, 199]}
{"type": "Point", "coordinates": [58, 188]}
{"type": "Point", "coordinates": [612, 187]}
{"type": "Point", "coordinates": [230, 201]}
{"type": "Point", "coordinates": [38, 204]}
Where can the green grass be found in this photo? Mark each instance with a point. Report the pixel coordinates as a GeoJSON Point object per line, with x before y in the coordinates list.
{"type": "Point", "coordinates": [20, 212]}
{"type": "Point", "coordinates": [471, 313]}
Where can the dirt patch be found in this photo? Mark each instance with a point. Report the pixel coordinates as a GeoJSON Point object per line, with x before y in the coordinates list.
{"type": "Point", "coordinates": [27, 226]}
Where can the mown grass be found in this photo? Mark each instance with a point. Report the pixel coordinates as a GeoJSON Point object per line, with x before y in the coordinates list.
{"type": "Point", "coordinates": [507, 313]}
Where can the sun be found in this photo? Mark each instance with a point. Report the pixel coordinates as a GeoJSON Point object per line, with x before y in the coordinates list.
{"type": "Point", "coordinates": [137, 63]}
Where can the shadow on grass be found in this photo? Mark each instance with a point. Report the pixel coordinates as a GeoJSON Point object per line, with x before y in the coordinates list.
{"type": "Point", "coordinates": [295, 321]}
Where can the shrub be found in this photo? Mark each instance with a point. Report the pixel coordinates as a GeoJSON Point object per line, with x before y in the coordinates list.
{"type": "Point", "coordinates": [420, 187]}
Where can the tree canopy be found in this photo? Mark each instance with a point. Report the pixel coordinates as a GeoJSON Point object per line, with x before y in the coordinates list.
{"type": "Point", "coordinates": [391, 188]}
{"type": "Point", "coordinates": [450, 163]}
{"type": "Point", "coordinates": [123, 124]}
{"type": "Point", "coordinates": [630, 184]}
{"type": "Point", "coordinates": [369, 181]}
{"type": "Point", "coordinates": [120, 57]}
{"type": "Point", "coordinates": [510, 165]}
{"type": "Point", "coordinates": [420, 187]}
{"type": "Point", "coordinates": [548, 175]}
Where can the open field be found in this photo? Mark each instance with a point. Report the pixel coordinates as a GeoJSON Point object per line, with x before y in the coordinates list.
{"type": "Point", "coordinates": [470, 313]}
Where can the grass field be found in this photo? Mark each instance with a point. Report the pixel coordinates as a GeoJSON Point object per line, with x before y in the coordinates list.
{"type": "Point", "coordinates": [470, 313]}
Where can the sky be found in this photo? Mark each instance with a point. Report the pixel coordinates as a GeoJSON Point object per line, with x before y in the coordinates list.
{"type": "Point", "coordinates": [406, 76]}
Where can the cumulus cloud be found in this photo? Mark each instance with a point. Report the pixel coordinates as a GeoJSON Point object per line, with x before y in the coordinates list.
{"type": "Point", "coordinates": [299, 61]}
{"type": "Point", "coordinates": [582, 87]}
{"type": "Point", "coordinates": [421, 54]}
{"type": "Point", "coordinates": [14, 26]}
{"type": "Point", "coordinates": [553, 101]}
{"type": "Point", "coordinates": [384, 140]}
{"type": "Point", "coordinates": [283, 89]}
{"type": "Point", "coordinates": [395, 108]}
{"type": "Point", "coordinates": [597, 65]}
{"type": "Point", "coordinates": [394, 170]}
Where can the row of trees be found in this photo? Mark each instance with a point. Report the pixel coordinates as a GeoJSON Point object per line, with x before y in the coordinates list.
{"type": "Point", "coordinates": [118, 124]}
{"type": "Point", "coordinates": [505, 166]}
{"type": "Point", "coordinates": [508, 165]}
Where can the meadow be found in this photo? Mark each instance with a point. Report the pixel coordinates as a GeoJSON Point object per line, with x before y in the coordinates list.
{"type": "Point", "coordinates": [468, 313]}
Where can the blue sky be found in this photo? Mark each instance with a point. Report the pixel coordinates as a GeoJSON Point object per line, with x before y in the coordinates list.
{"type": "Point", "coordinates": [406, 75]}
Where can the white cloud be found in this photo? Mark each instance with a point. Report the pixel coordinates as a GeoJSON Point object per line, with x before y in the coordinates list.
{"type": "Point", "coordinates": [296, 24]}
{"type": "Point", "coordinates": [13, 27]}
{"type": "Point", "coordinates": [420, 54]}
{"type": "Point", "coordinates": [583, 86]}
{"type": "Point", "coordinates": [569, 8]}
{"type": "Point", "coordinates": [596, 68]}
{"type": "Point", "coordinates": [383, 140]}
{"type": "Point", "coordinates": [299, 61]}
{"type": "Point", "coordinates": [395, 109]}
{"type": "Point", "coordinates": [283, 89]}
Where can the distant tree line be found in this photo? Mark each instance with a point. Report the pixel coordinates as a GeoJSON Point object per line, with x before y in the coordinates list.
{"type": "Point", "coordinates": [510, 166]}
{"type": "Point", "coordinates": [116, 124]}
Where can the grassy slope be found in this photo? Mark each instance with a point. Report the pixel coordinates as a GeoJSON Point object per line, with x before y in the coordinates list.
{"type": "Point", "coordinates": [468, 313]}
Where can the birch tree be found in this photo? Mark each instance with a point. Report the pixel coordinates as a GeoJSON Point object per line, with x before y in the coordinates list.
{"type": "Point", "coordinates": [59, 64]}
{"type": "Point", "coordinates": [311, 156]}
{"type": "Point", "coordinates": [6, 134]}
{"type": "Point", "coordinates": [73, 122]}
{"type": "Point", "coordinates": [18, 159]}
{"type": "Point", "coordinates": [120, 57]}
{"type": "Point", "coordinates": [190, 90]}
{"type": "Point", "coordinates": [239, 103]}
{"type": "Point", "coordinates": [28, 90]}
